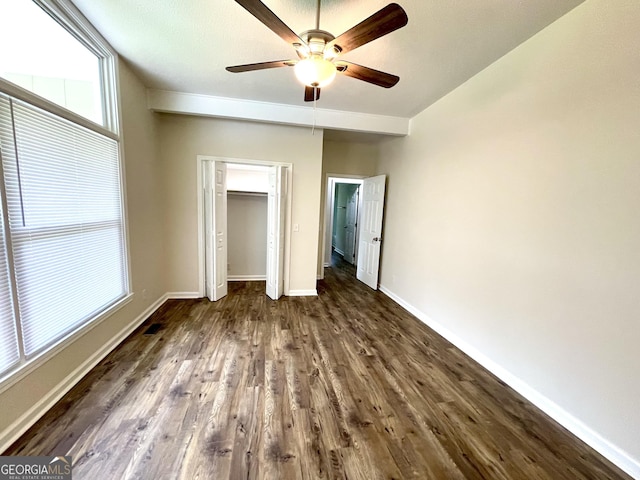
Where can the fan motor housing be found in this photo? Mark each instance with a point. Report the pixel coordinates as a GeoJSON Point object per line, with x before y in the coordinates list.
{"type": "Point", "coordinates": [316, 39]}
{"type": "Point", "coordinates": [318, 35]}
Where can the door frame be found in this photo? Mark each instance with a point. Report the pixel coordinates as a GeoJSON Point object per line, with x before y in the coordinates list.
{"type": "Point", "coordinates": [327, 228]}
{"type": "Point", "coordinates": [200, 159]}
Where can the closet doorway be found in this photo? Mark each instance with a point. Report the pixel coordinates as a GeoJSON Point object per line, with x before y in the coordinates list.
{"type": "Point", "coordinates": [244, 210]}
{"type": "Point", "coordinates": [247, 202]}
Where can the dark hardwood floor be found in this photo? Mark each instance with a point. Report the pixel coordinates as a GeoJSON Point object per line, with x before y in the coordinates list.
{"type": "Point", "coordinates": [346, 385]}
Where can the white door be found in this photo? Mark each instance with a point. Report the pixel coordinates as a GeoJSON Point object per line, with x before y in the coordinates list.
{"type": "Point", "coordinates": [208, 206]}
{"type": "Point", "coordinates": [350, 227]}
{"type": "Point", "coordinates": [275, 231]}
{"type": "Point", "coordinates": [370, 230]}
{"type": "Point", "coordinates": [216, 229]}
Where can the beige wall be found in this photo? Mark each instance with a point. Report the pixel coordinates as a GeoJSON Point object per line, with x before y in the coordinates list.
{"type": "Point", "coordinates": [20, 402]}
{"type": "Point", "coordinates": [183, 137]}
{"type": "Point", "coordinates": [144, 193]}
{"type": "Point", "coordinates": [512, 215]}
{"type": "Point", "coordinates": [350, 158]}
{"type": "Point", "coordinates": [358, 159]}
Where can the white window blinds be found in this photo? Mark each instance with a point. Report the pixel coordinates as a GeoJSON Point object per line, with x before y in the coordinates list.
{"type": "Point", "coordinates": [63, 195]}
{"type": "Point", "coordinates": [9, 354]}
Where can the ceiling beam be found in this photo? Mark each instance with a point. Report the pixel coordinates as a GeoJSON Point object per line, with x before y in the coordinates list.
{"type": "Point", "coordinates": [206, 105]}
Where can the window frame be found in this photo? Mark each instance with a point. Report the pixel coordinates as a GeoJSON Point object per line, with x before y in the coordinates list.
{"type": "Point", "coordinates": [69, 17]}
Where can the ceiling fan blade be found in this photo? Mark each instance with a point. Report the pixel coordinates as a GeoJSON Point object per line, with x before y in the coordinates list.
{"type": "Point", "coordinates": [271, 20]}
{"type": "Point", "coordinates": [387, 20]}
{"type": "Point", "coordinates": [367, 74]}
{"type": "Point", "coordinates": [261, 66]}
{"type": "Point", "coordinates": [309, 93]}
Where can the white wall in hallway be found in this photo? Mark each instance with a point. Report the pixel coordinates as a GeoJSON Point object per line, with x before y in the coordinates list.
{"type": "Point", "coordinates": [344, 191]}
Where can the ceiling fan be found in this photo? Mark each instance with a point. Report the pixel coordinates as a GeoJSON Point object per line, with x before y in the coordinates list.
{"type": "Point", "coordinates": [318, 51]}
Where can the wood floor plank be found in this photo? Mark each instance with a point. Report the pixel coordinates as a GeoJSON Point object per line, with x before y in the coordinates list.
{"type": "Point", "coordinates": [347, 386]}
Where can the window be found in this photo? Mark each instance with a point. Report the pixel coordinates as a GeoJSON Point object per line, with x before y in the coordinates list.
{"type": "Point", "coordinates": [63, 260]}
{"type": "Point", "coordinates": [60, 69]}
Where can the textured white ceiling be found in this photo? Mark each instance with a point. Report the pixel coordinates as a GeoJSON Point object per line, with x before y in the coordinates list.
{"type": "Point", "coordinates": [185, 45]}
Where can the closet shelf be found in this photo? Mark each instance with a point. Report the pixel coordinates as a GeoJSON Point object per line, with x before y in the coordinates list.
{"type": "Point", "coordinates": [242, 192]}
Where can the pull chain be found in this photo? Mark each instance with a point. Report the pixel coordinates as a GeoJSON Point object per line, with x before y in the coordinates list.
{"type": "Point", "coordinates": [315, 89]}
{"type": "Point", "coordinates": [315, 109]}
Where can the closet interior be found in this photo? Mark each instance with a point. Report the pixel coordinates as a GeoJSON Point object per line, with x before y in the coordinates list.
{"type": "Point", "coordinates": [247, 195]}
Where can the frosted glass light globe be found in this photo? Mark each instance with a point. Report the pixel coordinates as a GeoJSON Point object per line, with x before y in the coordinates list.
{"type": "Point", "coordinates": [315, 71]}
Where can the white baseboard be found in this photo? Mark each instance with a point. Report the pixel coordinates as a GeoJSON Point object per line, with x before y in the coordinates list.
{"type": "Point", "coordinates": [339, 251]}
{"type": "Point", "coordinates": [327, 264]}
{"type": "Point", "coordinates": [182, 295]}
{"type": "Point", "coordinates": [31, 416]}
{"type": "Point", "coordinates": [246, 278]}
{"type": "Point", "coordinates": [592, 438]}
{"type": "Point", "coordinates": [303, 293]}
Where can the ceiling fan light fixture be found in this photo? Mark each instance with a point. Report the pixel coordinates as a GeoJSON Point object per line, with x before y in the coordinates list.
{"type": "Point", "coordinates": [315, 71]}
{"type": "Point", "coordinates": [319, 51]}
